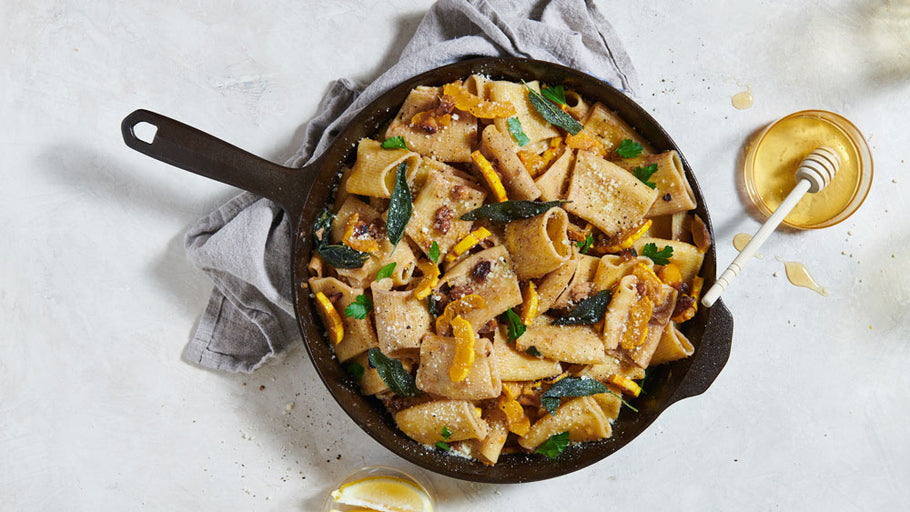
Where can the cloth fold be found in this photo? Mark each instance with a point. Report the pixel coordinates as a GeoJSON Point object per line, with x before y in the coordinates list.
{"type": "Point", "coordinates": [244, 246]}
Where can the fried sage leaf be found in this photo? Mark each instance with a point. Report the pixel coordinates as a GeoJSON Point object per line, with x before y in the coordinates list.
{"type": "Point", "coordinates": [392, 372]}
{"type": "Point", "coordinates": [400, 206]}
{"type": "Point", "coordinates": [552, 113]}
{"type": "Point", "coordinates": [588, 311]}
{"type": "Point", "coordinates": [574, 387]}
{"type": "Point", "coordinates": [336, 255]}
{"type": "Point", "coordinates": [507, 211]}
{"type": "Point", "coordinates": [342, 256]}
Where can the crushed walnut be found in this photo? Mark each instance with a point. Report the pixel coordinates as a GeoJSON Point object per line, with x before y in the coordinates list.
{"type": "Point", "coordinates": [442, 221]}
{"type": "Point", "coordinates": [480, 271]}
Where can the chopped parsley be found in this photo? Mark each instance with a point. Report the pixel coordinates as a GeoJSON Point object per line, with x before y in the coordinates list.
{"type": "Point", "coordinates": [394, 143]}
{"type": "Point", "coordinates": [644, 174]}
{"type": "Point", "coordinates": [386, 271]}
{"type": "Point", "coordinates": [628, 148]}
{"type": "Point", "coordinates": [360, 308]}
{"type": "Point", "coordinates": [661, 257]}
{"type": "Point", "coordinates": [585, 244]}
{"type": "Point", "coordinates": [554, 445]}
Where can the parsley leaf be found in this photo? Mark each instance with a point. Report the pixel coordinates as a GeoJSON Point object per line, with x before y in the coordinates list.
{"type": "Point", "coordinates": [442, 445]}
{"type": "Point", "coordinates": [585, 244]}
{"type": "Point", "coordinates": [386, 271]}
{"type": "Point", "coordinates": [360, 308]}
{"type": "Point", "coordinates": [445, 433]}
{"type": "Point", "coordinates": [628, 148]}
{"type": "Point", "coordinates": [661, 257]}
{"type": "Point", "coordinates": [517, 133]}
{"type": "Point", "coordinates": [644, 174]}
{"type": "Point", "coordinates": [588, 311]}
{"type": "Point", "coordinates": [553, 114]}
{"type": "Point", "coordinates": [394, 143]}
{"type": "Point", "coordinates": [516, 328]}
{"type": "Point", "coordinates": [533, 352]}
{"type": "Point", "coordinates": [400, 206]}
{"type": "Point", "coordinates": [392, 372]}
{"type": "Point", "coordinates": [354, 369]}
{"type": "Point", "coordinates": [554, 445]}
{"type": "Point", "coordinates": [434, 252]}
{"type": "Point", "coordinates": [555, 94]}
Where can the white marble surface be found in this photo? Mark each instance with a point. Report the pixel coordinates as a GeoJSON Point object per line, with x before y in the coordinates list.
{"type": "Point", "coordinates": [97, 410]}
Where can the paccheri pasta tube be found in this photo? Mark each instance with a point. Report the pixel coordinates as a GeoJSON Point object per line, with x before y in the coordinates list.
{"type": "Point", "coordinates": [536, 267]}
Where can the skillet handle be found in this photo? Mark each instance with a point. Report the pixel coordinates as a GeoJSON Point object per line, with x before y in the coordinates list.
{"type": "Point", "coordinates": [711, 355]}
{"type": "Point", "coordinates": [191, 149]}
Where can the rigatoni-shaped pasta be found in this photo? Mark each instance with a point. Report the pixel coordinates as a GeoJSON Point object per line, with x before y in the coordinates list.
{"type": "Point", "coordinates": [685, 256]}
{"type": "Point", "coordinates": [612, 365]}
{"type": "Point", "coordinates": [515, 177]}
{"type": "Point", "coordinates": [583, 418]}
{"type": "Point", "coordinates": [624, 296]}
{"type": "Point", "coordinates": [606, 195]}
{"type": "Point", "coordinates": [498, 287]}
{"type": "Point", "coordinates": [401, 319]}
{"type": "Point", "coordinates": [540, 244]}
{"type": "Point", "coordinates": [444, 198]}
{"type": "Point", "coordinates": [477, 85]}
{"type": "Point", "coordinates": [610, 129]}
{"type": "Point", "coordinates": [674, 194]}
{"type": "Point", "coordinates": [375, 170]}
{"type": "Point", "coordinates": [359, 335]}
{"type": "Point", "coordinates": [450, 144]}
{"type": "Point", "coordinates": [612, 268]}
{"type": "Point", "coordinates": [582, 284]}
{"type": "Point", "coordinates": [436, 355]}
{"type": "Point", "coordinates": [424, 423]}
{"type": "Point", "coordinates": [576, 106]}
{"type": "Point", "coordinates": [551, 286]}
{"type": "Point", "coordinates": [534, 126]}
{"type": "Point", "coordinates": [673, 345]}
{"type": "Point", "coordinates": [518, 366]}
{"type": "Point", "coordinates": [579, 344]}
{"type": "Point", "coordinates": [555, 180]}
{"type": "Point", "coordinates": [488, 449]}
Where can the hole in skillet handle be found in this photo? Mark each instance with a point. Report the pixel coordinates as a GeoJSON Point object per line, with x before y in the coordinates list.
{"type": "Point", "coordinates": [144, 131]}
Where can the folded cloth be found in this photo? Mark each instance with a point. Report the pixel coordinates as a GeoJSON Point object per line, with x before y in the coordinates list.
{"type": "Point", "coordinates": [244, 246]}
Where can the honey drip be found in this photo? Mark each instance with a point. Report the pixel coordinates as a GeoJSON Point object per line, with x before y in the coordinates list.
{"type": "Point", "coordinates": [799, 275]}
{"type": "Point", "coordinates": [742, 100]}
{"type": "Point", "coordinates": [740, 241]}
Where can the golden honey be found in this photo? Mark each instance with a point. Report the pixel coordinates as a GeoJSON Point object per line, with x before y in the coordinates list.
{"type": "Point", "coordinates": [777, 151]}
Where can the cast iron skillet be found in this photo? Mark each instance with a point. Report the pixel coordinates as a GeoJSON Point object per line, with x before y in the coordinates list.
{"type": "Point", "coordinates": [303, 193]}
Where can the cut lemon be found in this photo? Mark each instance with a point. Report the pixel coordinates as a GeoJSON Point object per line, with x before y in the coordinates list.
{"type": "Point", "coordinates": [384, 494]}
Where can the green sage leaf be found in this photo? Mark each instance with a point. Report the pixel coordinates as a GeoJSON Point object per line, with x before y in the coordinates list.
{"type": "Point", "coordinates": [533, 352]}
{"type": "Point", "coordinates": [507, 211]}
{"type": "Point", "coordinates": [553, 114]}
{"type": "Point", "coordinates": [400, 206]}
{"type": "Point", "coordinates": [570, 387]}
{"type": "Point", "coordinates": [434, 253]}
{"type": "Point", "coordinates": [342, 256]}
{"type": "Point", "coordinates": [392, 372]}
{"type": "Point", "coordinates": [354, 369]}
{"type": "Point", "coordinates": [588, 311]}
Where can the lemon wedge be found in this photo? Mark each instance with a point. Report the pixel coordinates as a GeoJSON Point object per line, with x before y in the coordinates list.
{"type": "Point", "coordinates": [384, 494]}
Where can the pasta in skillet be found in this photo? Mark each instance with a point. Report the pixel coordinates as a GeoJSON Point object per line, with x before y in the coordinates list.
{"type": "Point", "coordinates": [502, 265]}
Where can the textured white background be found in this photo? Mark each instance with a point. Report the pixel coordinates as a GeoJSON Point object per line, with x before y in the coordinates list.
{"type": "Point", "coordinates": [97, 410]}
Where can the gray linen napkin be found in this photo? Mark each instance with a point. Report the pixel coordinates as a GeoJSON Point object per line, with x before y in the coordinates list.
{"type": "Point", "coordinates": [244, 246]}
